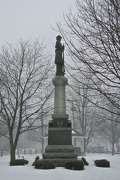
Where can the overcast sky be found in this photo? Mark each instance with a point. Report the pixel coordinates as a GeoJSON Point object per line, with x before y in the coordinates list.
{"type": "Point", "coordinates": [24, 19]}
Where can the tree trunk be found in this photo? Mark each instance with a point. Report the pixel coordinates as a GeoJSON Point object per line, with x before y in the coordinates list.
{"type": "Point", "coordinates": [113, 149]}
{"type": "Point", "coordinates": [12, 151]}
{"type": "Point", "coordinates": [84, 146]}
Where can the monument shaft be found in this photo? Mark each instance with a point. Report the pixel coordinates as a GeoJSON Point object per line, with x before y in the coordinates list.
{"type": "Point", "coordinates": [60, 83]}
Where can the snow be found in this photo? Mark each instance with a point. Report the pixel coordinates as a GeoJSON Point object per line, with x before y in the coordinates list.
{"type": "Point", "coordinates": [90, 172]}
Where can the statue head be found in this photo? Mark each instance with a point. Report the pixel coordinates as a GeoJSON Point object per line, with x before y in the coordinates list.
{"type": "Point", "coordinates": [58, 38]}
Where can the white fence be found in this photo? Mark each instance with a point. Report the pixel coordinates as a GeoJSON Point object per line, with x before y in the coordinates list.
{"type": "Point", "coordinates": [21, 152]}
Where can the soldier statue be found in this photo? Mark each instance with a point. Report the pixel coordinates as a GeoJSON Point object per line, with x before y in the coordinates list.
{"type": "Point", "coordinates": [59, 57]}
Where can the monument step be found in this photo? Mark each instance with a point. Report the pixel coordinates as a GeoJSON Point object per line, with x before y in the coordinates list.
{"type": "Point", "coordinates": [60, 155]}
{"type": "Point", "coordinates": [59, 149]}
{"type": "Point", "coordinates": [60, 162]}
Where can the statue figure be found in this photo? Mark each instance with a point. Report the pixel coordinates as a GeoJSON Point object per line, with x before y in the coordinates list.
{"type": "Point", "coordinates": [59, 57]}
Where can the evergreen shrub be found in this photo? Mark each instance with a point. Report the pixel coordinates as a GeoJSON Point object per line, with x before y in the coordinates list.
{"type": "Point", "coordinates": [75, 165]}
{"type": "Point", "coordinates": [26, 161]}
{"type": "Point", "coordinates": [18, 162]}
{"type": "Point", "coordinates": [84, 161]}
{"type": "Point", "coordinates": [41, 164]}
{"type": "Point", "coordinates": [102, 163]}
{"type": "Point", "coordinates": [36, 159]}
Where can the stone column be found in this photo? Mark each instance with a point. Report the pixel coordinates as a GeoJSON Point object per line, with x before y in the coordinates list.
{"type": "Point", "coordinates": [60, 83]}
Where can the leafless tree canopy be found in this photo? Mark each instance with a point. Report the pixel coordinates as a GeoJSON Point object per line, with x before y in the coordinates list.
{"type": "Point", "coordinates": [87, 116]}
{"type": "Point", "coordinates": [25, 86]}
{"type": "Point", "coordinates": [92, 36]}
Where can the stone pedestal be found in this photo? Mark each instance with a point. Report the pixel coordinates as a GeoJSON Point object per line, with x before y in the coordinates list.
{"type": "Point", "coordinates": [60, 149]}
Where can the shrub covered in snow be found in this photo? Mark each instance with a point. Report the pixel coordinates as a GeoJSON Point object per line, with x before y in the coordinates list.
{"type": "Point", "coordinates": [18, 162]}
{"type": "Point", "coordinates": [75, 165]}
{"type": "Point", "coordinates": [102, 163]}
{"type": "Point", "coordinates": [36, 159]}
{"type": "Point", "coordinates": [84, 161]}
{"type": "Point", "coordinates": [42, 164]}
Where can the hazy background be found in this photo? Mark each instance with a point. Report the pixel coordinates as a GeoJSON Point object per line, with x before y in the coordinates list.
{"type": "Point", "coordinates": [24, 19]}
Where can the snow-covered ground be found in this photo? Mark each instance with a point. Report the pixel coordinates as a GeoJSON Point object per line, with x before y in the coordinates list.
{"type": "Point", "coordinates": [90, 172]}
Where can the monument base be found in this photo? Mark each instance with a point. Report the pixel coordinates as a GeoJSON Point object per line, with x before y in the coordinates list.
{"type": "Point", "coordinates": [59, 162]}
{"type": "Point", "coordinates": [59, 154]}
{"type": "Point", "coordinates": [59, 149]}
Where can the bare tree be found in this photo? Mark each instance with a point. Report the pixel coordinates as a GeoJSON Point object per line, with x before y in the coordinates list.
{"type": "Point", "coordinates": [110, 129]}
{"type": "Point", "coordinates": [37, 135]}
{"type": "Point", "coordinates": [87, 115]}
{"type": "Point", "coordinates": [25, 87]}
{"type": "Point", "coordinates": [92, 37]}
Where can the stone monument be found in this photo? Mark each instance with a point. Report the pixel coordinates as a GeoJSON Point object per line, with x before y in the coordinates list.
{"type": "Point", "coordinates": [59, 149]}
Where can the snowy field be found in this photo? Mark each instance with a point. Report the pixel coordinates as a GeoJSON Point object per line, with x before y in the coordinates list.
{"type": "Point", "coordinates": [90, 172]}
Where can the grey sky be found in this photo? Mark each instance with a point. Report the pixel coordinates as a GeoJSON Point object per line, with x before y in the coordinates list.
{"type": "Point", "coordinates": [24, 19]}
